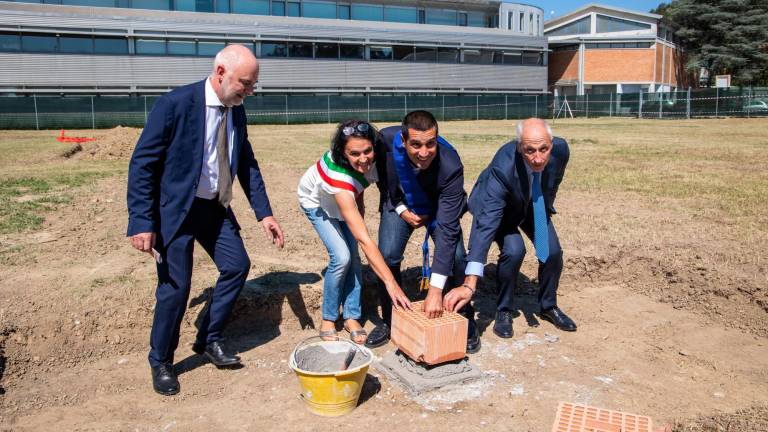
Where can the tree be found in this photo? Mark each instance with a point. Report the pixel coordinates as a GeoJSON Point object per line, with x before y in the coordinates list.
{"type": "Point", "coordinates": [723, 36]}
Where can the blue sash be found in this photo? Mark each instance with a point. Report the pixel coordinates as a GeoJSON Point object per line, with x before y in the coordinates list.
{"type": "Point", "coordinates": [415, 198]}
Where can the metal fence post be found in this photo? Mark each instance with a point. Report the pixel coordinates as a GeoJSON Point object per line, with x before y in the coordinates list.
{"type": "Point", "coordinates": [329, 108]}
{"type": "Point", "coordinates": [506, 107]}
{"type": "Point", "coordinates": [405, 105]}
{"type": "Point", "coordinates": [688, 105]}
{"type": "Point", "coordinates": [536, 114]}
{"type": "Point", "coordinates": [93, 115]}
{"type": "Point", "coordinates": [661, 104]}
{"type": "Point", "coordinates": [286, 108]}
{"type": "Point", "coordinates": [586, 105]}
{"type": "Point", "coordinates": [640, 104]}
{"type": "Point", "coordinates": [368, 109]}
{"type": "Point", "coordinates": [477, 107]}
{"type": "Point", "coordinates": [37, 117]}
{"type": "Point", "coordinates": [717, 101]}
{"type": "Point", "coordinates": [443, 108]}
{"type": "Point", "coordinates": [610, 106]}
{"type": "Point", "coordinates": [145, 109]}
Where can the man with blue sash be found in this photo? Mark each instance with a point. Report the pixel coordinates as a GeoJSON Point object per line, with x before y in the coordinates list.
{"type": "Point", "coordinates": [514, 195]}
{"type": "Point", "coordinates": [422, 185]}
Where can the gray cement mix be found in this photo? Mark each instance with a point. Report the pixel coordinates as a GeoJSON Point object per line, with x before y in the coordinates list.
{"type": "Point", "coordinates": [418, 377]}
{"type": "Point", "coordinates": [316, 358]}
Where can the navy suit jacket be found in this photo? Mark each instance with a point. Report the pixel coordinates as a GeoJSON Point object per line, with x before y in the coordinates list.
{"type": "Point", "coordinates": [443, 183]}
{"type": "Point", "coordinates": [500, 198]}
{"type": "Point", "coordinates": [165, 167]}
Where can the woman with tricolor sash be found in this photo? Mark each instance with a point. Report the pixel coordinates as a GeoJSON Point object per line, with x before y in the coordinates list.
{"type": "Point", "coordinates": [331, 195]}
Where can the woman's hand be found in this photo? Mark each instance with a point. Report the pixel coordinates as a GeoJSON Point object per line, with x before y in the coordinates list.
{"type": "Point", "coordinates": [399, 299]}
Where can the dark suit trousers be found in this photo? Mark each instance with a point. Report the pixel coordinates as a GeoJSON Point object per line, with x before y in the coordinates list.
{"type": "Point", "coordinates": [394, 234]}
{"type": "Point", "coordinates": [511, 258]}
{"type": "Point", "coordinates": [208, 223]}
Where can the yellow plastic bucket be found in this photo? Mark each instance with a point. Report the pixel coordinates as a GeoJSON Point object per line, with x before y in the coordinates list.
{"type": "Point", "coordinates": [331, 394]}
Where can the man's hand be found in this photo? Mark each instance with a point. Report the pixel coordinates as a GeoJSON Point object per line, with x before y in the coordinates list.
{"type": "Point", "coordinates": [433, 304]}
{"type": "Point", "coordinates": [273, 231]}
{"type": "Point", "coordinates": [457, 298]}
{"type": "Point", "coordinates": [144, 242]}
{"type": "Point", "coordinates": [413, 219]}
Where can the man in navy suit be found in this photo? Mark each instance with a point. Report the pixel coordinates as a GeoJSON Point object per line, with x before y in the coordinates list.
{"type": "Point", "coordinates": [179, 190]}
{"type": "Point", "coordinates": [516, 193]}
{"type": "Point", "coordinates": [422, 185]}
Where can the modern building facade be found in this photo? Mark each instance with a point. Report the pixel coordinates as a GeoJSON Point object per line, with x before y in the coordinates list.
{"type": "Point", "coordinates": [305, 46]}
{"type": "Point", "coordinates": [600, 49]}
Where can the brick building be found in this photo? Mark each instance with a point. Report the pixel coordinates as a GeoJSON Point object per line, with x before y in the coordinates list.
{"type": "Point", "coordinates": [600, 49]}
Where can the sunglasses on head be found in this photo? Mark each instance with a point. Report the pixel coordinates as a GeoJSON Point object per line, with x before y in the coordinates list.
{"type": "Point", "coordinates": [362, 128]}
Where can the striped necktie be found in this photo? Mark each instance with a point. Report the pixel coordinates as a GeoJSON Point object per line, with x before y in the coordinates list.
{"type": "Point", "coordinates": [222, 153]}
{"type": "Point", "coordinates": [540, 231]}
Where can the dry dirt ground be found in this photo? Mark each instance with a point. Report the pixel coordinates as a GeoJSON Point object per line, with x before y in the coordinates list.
{"type": "Point", "coordinates": [663, 224]}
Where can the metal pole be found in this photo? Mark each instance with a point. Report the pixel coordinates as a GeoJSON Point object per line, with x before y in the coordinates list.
{"type": "Point", "coordinates": [640, 104]}
{"type": "Point", "coordinates": [506, 107]}
{"type": "Point", "coordinates": [477, 107]}
{"type": "Point", "coordinates": [717, 101]}
{"type": "Point", "coordinates": [329, 108]}
{"type": "Point", "coordinates": [586, 104]}
{"type": "Point", "coordinates": [286, 108]}
{"type": "Point", "coordinates": [537, 107]}
{"type": "Point", "coordinates": [368, 99]}
{"type": "Point", "coordinates": [405, 105]}
{"type": "Point", "coordinates": [443, 110]}
{"type": "Point", "coordinates": [93, 115]}
{"type": "Point", "coordinates": [145, 109]}
{"type": "Point", "coordinates": [661, 102]}
{"type": "Point", "coordinates": [688, 105]}
{"type": "Point", "coordinates": [37, 117]}
{"type": "Point", "coordinates": [610, 106]}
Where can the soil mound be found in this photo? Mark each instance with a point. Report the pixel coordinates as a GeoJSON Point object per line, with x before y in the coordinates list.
{"type": "Point", "coordinates": [112, 144]}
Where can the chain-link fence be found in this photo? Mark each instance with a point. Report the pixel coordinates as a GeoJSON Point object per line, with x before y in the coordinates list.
{"type": "Point", "coordinates": [83, 112]}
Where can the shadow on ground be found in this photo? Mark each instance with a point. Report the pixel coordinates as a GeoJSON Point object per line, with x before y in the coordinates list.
{"type": "Point", "coordinates": [258, 312]}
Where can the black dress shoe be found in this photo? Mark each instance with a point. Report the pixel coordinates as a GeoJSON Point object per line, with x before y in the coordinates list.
{"type": "Point", "coordinates": [473, 338]}
{"type": "Point", "coordinates": [503, 325]}
{"type": "Point", "coordinates": [164, 380]}
{"type": "Point", "coordinates": [216, 353]}
{"type": "Point", "coordinates": [558, 318]}
{"type": "Point", "coordinates": [379, 336]}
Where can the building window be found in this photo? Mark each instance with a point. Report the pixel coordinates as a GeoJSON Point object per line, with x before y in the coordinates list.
{"type": "Point", "coordinates": [367, 12]}
{"type": "Point", "coordinates": [582, 26]}
{"type": "Point", "coordinates": [521, 27]}
{"type": "Point", "coordinates": [462, 19]}
{"type": "Point", "coordinates": [222, 6]}
{"type": "Point", "coordinates": [344, 12]}
{"type": "Point", "coordinates": [403, 52]}
{"type": "Point", "coordinates": [399, 14]}
{"type": "Point", "coordinates": [606, 24]}
{"type": "Point", "coordinates": [34, 43]}
{"type": "Point", "coordinates": [150, 47]}
{"type": "Point", "coordinates": [110, 46]}
{"type": "Point", "coordinates": [10, 42]}
{"type": "Point", "coordinates": [533, 58]}
{"type": "Point", "coordinates": [538, 25]}
{"type": "Point", "coordinates": [352, 52]}
{"type": "Point", "coordinates": [475, 56]}
{"type": "Point", "coordinates": [512, 57]}
{"type": "Point", "coordinates": [300, 49]}
{"type": "Point", "coordinates": [182, 48]}
{"type": "Point", "coordinates": [510, 20]}
{"type": "Point", "coordinates": [380, 53]}
{"type": "Point", "coordinates": [278, 8]}
{"type": "Point", "coordinates": [294, 9]}
{"type": "Point", "coordinates": [76, 44]}
{"type": "Point", "coordinates": [327, 50]}
{"type": "Point", "coordinates": [274, 49]}
{"type": "Point", "coordinates": [313, 9]}
{"type": "Point", "coordinates": [97, 3]}
{"type": "Point", "coordinates": [441, 17]}
{"type": "Point", "coordinates": [426, 54]}
{"type": "Point", "coordinates": [250, 7]}
{"type": "Point", "coordinates": [422, 16]}
{"type": "Point", "coordinates": [151, 4]}
{"type": "Point", "coordinates": [476, 19]}
{"type": "Point", "coordinates": [530, 24]}
{"type": "Point", "coordinates": [209, 49]}
{"type": "Point", "coordinates": [448, 55]}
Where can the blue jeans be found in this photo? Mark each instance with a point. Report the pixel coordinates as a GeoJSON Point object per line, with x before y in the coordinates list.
{"type": "Point", "coordinates": [343, 278]}
{"type": "Point", "coordinates": [394, 234]}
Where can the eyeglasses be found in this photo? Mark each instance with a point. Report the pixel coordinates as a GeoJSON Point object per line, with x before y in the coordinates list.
{"type": "Point", "coordinates": [362, 128]}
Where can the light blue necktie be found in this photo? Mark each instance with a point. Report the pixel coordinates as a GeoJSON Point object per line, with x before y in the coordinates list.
{"type": "Point", "coordinates": [540, 231]}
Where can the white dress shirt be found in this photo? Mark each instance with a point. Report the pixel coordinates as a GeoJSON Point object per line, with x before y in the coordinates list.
{"type": "Point", "coordinates": [476, 268]}
{"type": "Point", "coordinates": [208, 187]}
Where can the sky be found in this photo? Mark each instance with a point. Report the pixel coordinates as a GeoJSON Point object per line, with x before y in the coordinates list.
{"type": "Point", "coordinates": [560, 7]}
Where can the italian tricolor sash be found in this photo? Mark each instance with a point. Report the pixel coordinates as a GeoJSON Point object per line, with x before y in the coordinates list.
{"type": "Point", "coordinates": [340, 177]}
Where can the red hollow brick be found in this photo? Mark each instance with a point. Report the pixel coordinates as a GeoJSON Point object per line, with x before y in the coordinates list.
{"type": "Point", "coordinates": [429, 341]}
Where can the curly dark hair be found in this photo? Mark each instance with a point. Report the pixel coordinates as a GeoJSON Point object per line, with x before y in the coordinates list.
{"type": "Point", "coordinates": [342, 135]}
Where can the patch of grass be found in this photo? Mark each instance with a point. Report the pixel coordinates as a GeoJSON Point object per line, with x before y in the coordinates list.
{"type": "Point", "coordinates": [24, 201]}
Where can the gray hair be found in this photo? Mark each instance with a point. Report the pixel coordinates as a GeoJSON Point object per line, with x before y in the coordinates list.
{"type": "Point", "coordinates": [519, 130]}
{"type": "Point", "coordinates": [229, 56]}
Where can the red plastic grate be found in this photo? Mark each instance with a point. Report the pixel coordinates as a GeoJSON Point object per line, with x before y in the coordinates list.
{"type": "Point", "coordinates": [582, 418]}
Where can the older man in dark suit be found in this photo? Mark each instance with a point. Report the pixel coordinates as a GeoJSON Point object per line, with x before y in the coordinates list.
{"type": "Point", "coordinates": [516, 193]}
{"type": "Point", "coordinates": [422, 185]}
{"type": "Point", "coordinates": [179, 190]}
